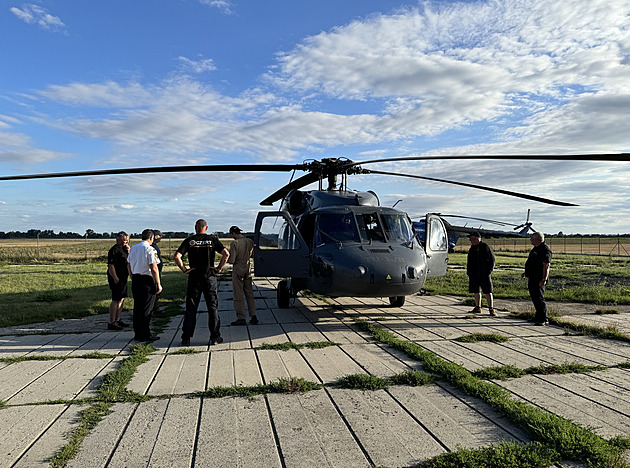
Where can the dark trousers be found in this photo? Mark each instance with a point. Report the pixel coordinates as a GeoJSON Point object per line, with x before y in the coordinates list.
{"type": "Point", "coordinates": [143, 288]}
{"type": "Point", "coordinates": [208, 286]}
{"type": "Point", "coordinates": [537, 294]}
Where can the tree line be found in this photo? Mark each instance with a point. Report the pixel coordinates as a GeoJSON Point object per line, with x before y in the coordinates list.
{"type": "Point", "coordinates": [89, 233]}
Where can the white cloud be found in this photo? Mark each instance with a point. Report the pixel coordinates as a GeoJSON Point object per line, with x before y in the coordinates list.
{"type": "Point", "coordinates": [35, 14]}
{"type": "Point", "coordinates": [197, 66]}
{"type": "Point", "coordinates": [224, 5]}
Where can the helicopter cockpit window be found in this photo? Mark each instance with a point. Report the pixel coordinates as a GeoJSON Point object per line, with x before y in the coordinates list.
{"type": "Point", "coordinates": [370, 228]}
{"type": "Point", "coordinates": [335, 228]}
{"type": "Point", "coordinates": [397, 228]}
{"type": "Point", "coordinates": [276, 234]}
{"type": "Point", "coordinates": [437, 239]}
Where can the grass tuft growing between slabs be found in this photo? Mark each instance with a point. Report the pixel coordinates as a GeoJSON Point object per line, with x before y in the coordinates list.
{"type": "Point", "coordinates": [186, 351]}
{"type": "Point", "coordinates": [509, 371]}
{"type": "Point", "coordinates": [46, 357]}
{"type": "Point", "coordinates": [571, 441]}
{"type": "Point", "coordinates": [286, 346]}
{"type": "Point", "coordinates": [111, 390]}
{"type": "Point", "coordinates": [504, 455]}
{"type": "Point", "coordinates": [362, 382]}
{"type": "Point", "coordinates": [88, 420]}
{"type": "Point", "coordinates": [477, 337]}
{"type": "Point", "coordinates": [412, 378]}
{"type": "Point", "coordinates": [282, 385]}
{"type": "Point", "coordinates": [607, 311]}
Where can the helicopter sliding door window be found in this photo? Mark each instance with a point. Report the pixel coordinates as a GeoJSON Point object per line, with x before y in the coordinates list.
{"type": "Point", "coordinates": [370, 228]}
{"type": "Point", "coordinates": [436, 246]}
{"type": "Point", "coordinates": [279, 249]}
{"type": "Point", "coordinates": [438, 240]}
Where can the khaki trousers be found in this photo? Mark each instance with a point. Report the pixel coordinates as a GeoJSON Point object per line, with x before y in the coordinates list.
{"type": "Point", "coordinates": [243, 291]}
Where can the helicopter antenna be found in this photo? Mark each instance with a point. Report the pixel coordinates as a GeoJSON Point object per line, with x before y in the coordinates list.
{"type": "Point", "coordinates": [394, 205]}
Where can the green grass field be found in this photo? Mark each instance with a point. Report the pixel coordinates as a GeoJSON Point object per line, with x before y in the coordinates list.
{"type": "Point", "coordinates": [31, 293]}
{"type": "Point", "coordinates": [573, 278]}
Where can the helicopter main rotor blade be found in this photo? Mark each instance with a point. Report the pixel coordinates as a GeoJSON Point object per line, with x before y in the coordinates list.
{"type": "Point", "coordinates": [296, 184]}
{"type": "Point", "coordinates": [499, 223]}
{"type": "Point", "coordinates": [506, 157]}
{"type": "Point", "coordinates": [480, 187]}
{"type": "Point", "coordinates": [165, 169]}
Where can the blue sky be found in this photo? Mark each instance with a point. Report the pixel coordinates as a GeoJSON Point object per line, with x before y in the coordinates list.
{"type": "Point", "coordinates": [95, 85]}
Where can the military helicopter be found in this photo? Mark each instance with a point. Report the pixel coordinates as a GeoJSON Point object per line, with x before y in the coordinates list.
{"type": "Point", "coordinates": [339, 242]}
{"type": "Point", "coordinates": [454, 232]}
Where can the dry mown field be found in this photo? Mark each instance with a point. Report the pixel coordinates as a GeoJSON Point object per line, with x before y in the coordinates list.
{"type": "Point", "coordinates": [67, 250]}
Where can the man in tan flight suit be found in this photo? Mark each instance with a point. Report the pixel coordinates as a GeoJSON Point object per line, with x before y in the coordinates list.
{"type": "Point", "coordinates": [241, 250]}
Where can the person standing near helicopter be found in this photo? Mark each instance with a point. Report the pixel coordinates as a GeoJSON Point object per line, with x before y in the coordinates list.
{"type": "Point", "coordinates": [479, 266]}
{"type": "Point", "coordinates": [201, 249]}
{"type": "Point", "coordinates": [241, 250]}
{"type": "Point", "coordinates": [537, 273]}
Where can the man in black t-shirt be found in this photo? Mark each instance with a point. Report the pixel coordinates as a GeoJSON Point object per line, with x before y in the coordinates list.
{"type": "Point", "coordinates": [201, 249]}
{"type": "Point", "coordinates": [537, 273]}
{"type": "Point", "coordinates": [479, 266]}
{"type": "Point", "coordinates": [117, 276]}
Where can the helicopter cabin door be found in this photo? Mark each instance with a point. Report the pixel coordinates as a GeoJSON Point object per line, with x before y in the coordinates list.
{"type": "Point", "coordinates": [279, 248]}
{"type": "Point", "coordinates": [436, 246]}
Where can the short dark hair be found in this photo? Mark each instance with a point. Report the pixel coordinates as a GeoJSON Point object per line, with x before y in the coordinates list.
{"type": "Point", "coordinates": [147, 234]}
{"type": "Point", "coordinates": [157, 232]}
{"type": "Point", "coordinates": [235, 230]}
{"type": "Point", "coordinates": [121, 234]}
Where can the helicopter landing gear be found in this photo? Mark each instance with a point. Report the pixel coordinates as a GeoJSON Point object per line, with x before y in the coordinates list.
{"type": "Point", "coordinates": [283, 294]}
{"type": "Point", "coordinates": [397, 301]}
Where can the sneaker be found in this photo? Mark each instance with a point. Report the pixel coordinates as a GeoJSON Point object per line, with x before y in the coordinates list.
{"type": "Point", "coordinates": [476, 310]}
{"type": "Point", "coordinates": [493, 312]}
{"type": "Point", "coordinates": [238, 323]}
{"type": "Point", "coordinates": [122, 324]}
{"type": "Point", "coordinates": [542, 324]}
{"type": "Point", "coordinates": [254, 320]}
{"type": "Point", "coordinates": [114, 326]}
{"type": "Point", "coordinates": [217, 340]}
{"type": "Point", "coordinates": [185, 341]}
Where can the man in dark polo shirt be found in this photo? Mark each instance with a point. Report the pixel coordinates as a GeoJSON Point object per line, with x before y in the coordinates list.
{"type": "Point", "coordinates": [479, 266]}
{"type": "Point", "coordinates": [117, 276]}
{"type": "Point", "coordinates": [537, 273]}
{"type": "Point", "coordinates": [201, 249]}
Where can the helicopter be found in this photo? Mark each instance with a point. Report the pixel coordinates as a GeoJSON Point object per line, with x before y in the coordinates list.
{"type": "Point", "coordinates": [339, 242]}
{"type": "Point", "coordinates": [455, 232]}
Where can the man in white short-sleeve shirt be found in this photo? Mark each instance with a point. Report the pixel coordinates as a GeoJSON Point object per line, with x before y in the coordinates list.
{"type": "Point", "coordinates": [142, 263]}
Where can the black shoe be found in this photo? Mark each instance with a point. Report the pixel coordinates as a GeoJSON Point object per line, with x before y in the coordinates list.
{"type": "Point", "coordinates": [114, 326]}
{"type": "Point", "coordinates": [122, 324]}
{"type": "Point", "coordinates": [217, 340]}
{"type": "Point", "coordinates": [185, 341]}
{"type": "Point", "coordinates": [254, 320]}
{"type": "Point", "coordinates": [542, 324]}
{"type": "Point", "coordinates": [238, 323]}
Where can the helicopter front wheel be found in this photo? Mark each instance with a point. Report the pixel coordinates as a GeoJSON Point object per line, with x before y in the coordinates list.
{"type": "Point", "coordinates": [283, 294]}
{"type": "Point", "coordinates": [397, 301]}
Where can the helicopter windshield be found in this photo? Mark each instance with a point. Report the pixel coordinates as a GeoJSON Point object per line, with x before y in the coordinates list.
{"type": "Point", "coordinates": [397, 228]}
{"type": "Point", "coordinates": [370, 228]}
{"type": "Point", "coordinates": [336, 227]}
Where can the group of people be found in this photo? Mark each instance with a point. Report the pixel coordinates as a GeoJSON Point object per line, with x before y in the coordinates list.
{"type": "Point", "coordinates": [480, 264]}
{"type": "Point", "coordinates": [143, 263]}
